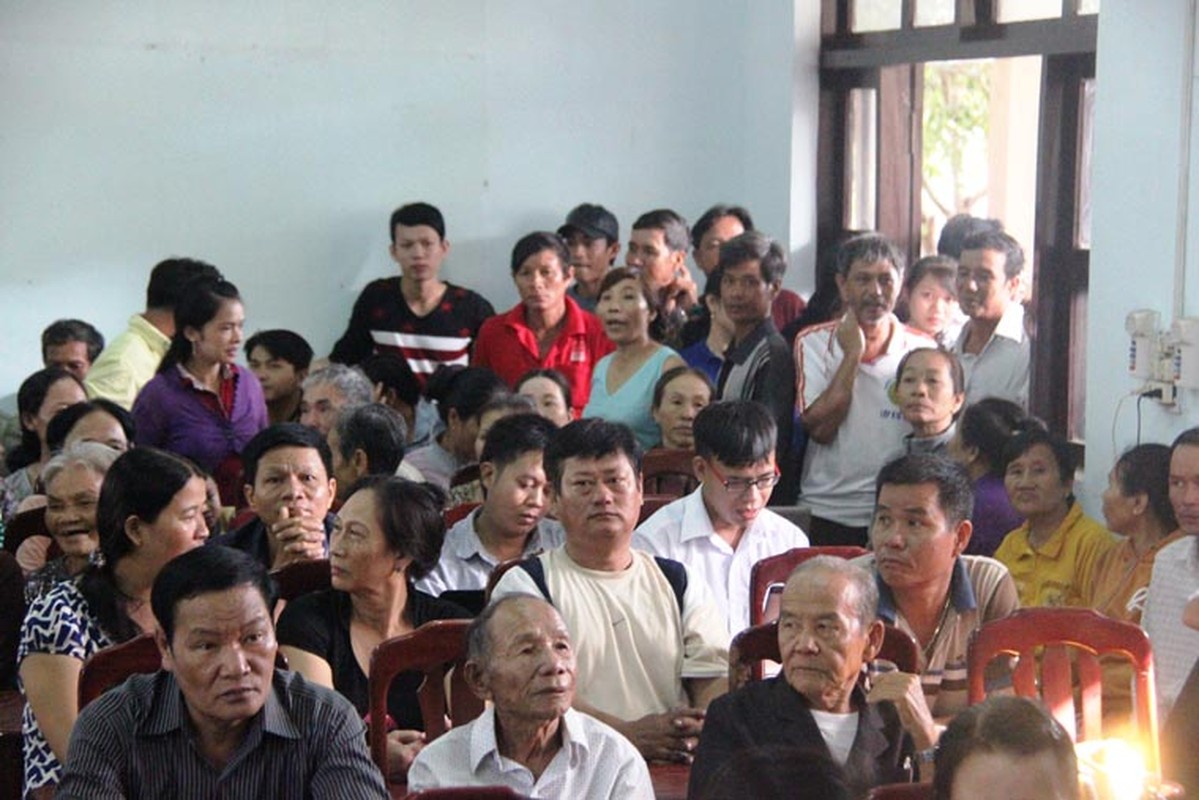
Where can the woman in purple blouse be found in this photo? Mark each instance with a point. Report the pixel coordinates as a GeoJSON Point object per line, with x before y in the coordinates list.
{"type": "Point", "coordinates": [984, 428]}
{"type": "Point", "coordinates": [201, 404]}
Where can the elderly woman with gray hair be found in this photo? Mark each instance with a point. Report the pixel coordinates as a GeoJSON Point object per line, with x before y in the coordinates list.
{"type": "Point", "coordinates": [72, 479]}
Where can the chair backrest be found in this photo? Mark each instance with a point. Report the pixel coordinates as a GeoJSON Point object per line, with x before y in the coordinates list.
{"type": "Point", "coordinates": [773, 571]}
{"type": "Point", "coordinates": [455, 514]}
{"type": "Point", "coordinates": [110, 666]}
{"type": "Point", "coordinates": [1065, 642]}
{"type": "Point", "coordinates": [302, 577]}
{"type": "Point", "coordinates": [902, 791]}
{"type": "Point", "coordinates": [759, 643]}
{"type": "Point", "coordinates": [668, 472]}
{"type": "Point", "coordinates": [467, 474]}
{"type": "Point", "coordinates": [434, 649]}
{"type": "Point", "coordinates": [651, 503]}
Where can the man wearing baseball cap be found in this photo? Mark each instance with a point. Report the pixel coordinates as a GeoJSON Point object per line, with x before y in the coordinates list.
{"type": "Point", "coordinates": [593, 237]}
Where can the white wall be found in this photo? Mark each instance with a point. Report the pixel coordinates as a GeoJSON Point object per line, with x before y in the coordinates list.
{"type": "Point", "coordinates": [273, 139]}
{"type": "Point", "coordinates": [1140, 81]}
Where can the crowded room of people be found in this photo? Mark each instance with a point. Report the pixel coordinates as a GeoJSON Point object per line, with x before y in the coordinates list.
{"type": "Point", "coordinates": [680, 401]}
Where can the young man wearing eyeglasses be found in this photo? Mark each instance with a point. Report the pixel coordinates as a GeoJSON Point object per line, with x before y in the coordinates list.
{"type": "Point", "coordinates": [758, 363]}
{"type": "Point", "coordinates": [723, 528]}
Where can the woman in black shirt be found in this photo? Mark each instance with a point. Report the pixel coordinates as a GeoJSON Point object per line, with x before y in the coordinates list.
{"type": "Point", "coordinates": [386, 536]}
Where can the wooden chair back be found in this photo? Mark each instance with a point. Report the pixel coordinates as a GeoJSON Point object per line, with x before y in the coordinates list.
{"type": "Point", "coordinates": [650, 503]}
{"type": "Point", "coordinates": [110, 666]}
{"type": "Point", "coordinates": [435, 649]}
{"type": "Point", "coordinates": [302, 577]}
{"type": "Point", "coordinates": [759, 643]}
{"type": "Point", "coordinates": [668, 472]}
{"type": "Point", "coordinates": [773, 571]}
{"type": "Point", "coordinates": [1053, 647]}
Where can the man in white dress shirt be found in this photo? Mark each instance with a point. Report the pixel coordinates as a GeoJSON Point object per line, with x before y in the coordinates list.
{"type": "Point", "coordinates": [723, 528]}
{"type": "Point", "coordinates": [520, 658]}
{"type": "Point", "coordinates": [993, 346]}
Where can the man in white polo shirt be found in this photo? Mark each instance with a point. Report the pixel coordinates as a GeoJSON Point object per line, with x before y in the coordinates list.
{"type": "Point", "coordinates": [723, 528]}
{"type": "Point", "coordinates": [846, 369]}
{"type": "Point", "coordinates": [993, 346]}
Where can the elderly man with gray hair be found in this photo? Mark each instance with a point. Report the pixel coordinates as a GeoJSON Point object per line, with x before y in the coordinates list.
{"type": "Point", "coordinates": [520, 659]}
{"type": "Point", "coordinates": [821, 706]}
{"type": "Point", "coordinates": [330, 389]}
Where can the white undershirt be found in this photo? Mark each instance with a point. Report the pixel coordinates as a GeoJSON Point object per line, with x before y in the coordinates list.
{"type": "Point", "coordinates": [838, 731]}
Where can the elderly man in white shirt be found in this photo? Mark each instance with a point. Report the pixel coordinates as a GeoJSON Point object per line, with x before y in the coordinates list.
{"type": "Point", "coordinates": [993, 347]}
{"type": "Point", "coordinates": [520, 658]}
{"type": "Point", "coordinates": [723, 528]}
{"type": "Point", "coordinates": [511, 521]}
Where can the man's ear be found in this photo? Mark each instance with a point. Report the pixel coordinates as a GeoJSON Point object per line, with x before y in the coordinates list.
{"type": "Point", "coordinates": [700, 467]}
{"type": "Point", "coordinates": [476, 680]}
{"type": "Point", "coordinates": [164, 649]}
{"type": "Point", "coordinates": [775, 288]}
{"type": "Point", "coordinates": [333, 487]}
{"type": "Point", "coordinates": [248, 490]}
{"type": "Point", "coordinates": [613, 252]}
{"type": "Point", "coordinates": [962, 534]}
{"type": "Point", "coordinates": [840, 286]}
{"type": "Point", "coordinates": [874, 640]}
{"type": "Point", "coordinates": [487, 475]}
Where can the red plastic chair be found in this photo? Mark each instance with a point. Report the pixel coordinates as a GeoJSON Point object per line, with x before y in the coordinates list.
{"type": "Point", "coordinates": [773, 571]}
{"type": "Point", "coordinates": [752, 646]}
{"type": "Point", "coordinates": [668, 472]}
{"type": "Point", "coordinates": [434, 649]}
{"type": "Point", "coordinates": [1065, 642]}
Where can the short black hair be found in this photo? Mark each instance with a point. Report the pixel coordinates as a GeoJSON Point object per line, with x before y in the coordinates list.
{"type": "Point", "coordinates": [533, 243]}
{"type": "Point", "coordinates": [60, 426]}
{"type": "Point", "coordinates": [283, 434]}
{"type": "Point", "coordinates": [943, 269]}
{"type": "Point", "coordinates": [30, 396]}
{"type": "Point", "coordinates": [738, 433]}
{"type": "Point", "coordinates": [1188, 437]}
{"type": "Point", "coordinates": [283, 344]}
{"type": "Point", "coordinates": [464, 389]}
{"type": "Point", "coordinates": [671, 223]}
{"type": "Point", "coordinates": [870, 248]}
{"type": "Point", "coordinates": [513, 436]}
{"type": "Point", "coordinates": [754, 246]}
{"type": "Point", "coordinates": [1024, 441]}
{"type": "Point", "coordinates": [65, 331]}
{"type": "Point", "coordinates": [999, 242]}
{"type": "Point", "coordinates": [988, 424]}
{"type": "Point", "coordinates": [169, 277]}
{"type": "Point", "coordinates": [956, 373]}
{"type": "Point", "coordinates": [955, 491]}
{"type": "Point", "coordinates": [414, 214]}
{"type": "Point", "coordinates": [410, 515]}
{"type": "Point", "coordinates": [713, 215]}
{"type": "Point", "coordinates": [958, 229]}
{"type": "Point", "coordinates": [1145, 469]}
{"type": "Point", "coordinates": [377, 430]}
{"type": "Point", "coordinates": [205, 570]}
{"type": "Point", "coordinates": [1002, 724]}
{"type": "Point", "coordinates": [590, 438]}
{"type": "Point", "coordinates": [393, 371]}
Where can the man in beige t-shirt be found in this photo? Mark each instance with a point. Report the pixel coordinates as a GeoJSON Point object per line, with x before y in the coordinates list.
{"type": "Point", "coordinates": [651, 644]}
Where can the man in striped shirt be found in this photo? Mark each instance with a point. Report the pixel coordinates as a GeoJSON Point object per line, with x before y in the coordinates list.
{"type": "Point", "coordinates": [427, 320]}
{"type": "Point", "coordinates": [219, 720]}
{"type": "Point", "coordinates": [926, 586]}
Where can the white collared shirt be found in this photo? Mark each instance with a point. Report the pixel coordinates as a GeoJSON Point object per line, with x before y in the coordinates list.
{"type": "Point", "coordinates": [683, 531]}
{"type": "Point", "coordinates": [594, 763]}
{"type": "Point", "coordinates": [1175, 646]}
{"type": "Point", "coordinates": [465, 564]}
{"type": "Point", "coordinates": [1001, 368]}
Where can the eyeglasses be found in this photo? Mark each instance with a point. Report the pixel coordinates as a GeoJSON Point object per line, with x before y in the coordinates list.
{"type": "Point", "coordinates": [763, 483]}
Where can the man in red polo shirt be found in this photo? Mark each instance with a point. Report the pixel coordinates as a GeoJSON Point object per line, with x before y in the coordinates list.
{"type": "Point", "coordinates": [546, 329]}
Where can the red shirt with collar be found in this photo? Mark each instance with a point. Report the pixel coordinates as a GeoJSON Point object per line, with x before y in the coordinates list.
{"type": "Point", "coordinates": [508, 347]}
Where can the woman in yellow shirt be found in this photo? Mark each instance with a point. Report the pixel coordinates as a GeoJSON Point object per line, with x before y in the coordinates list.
{"type": "Point", "coordinates": [1052, 556]}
